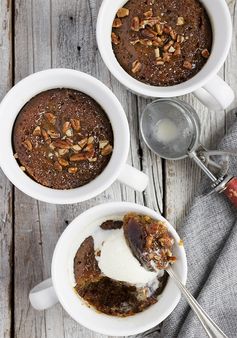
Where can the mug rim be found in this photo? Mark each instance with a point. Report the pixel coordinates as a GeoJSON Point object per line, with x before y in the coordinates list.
{"type": "Point", "coordinates": [221, 48]}
{"type": "Point", "coordinates": [38, 82]}
{"type": "Point", "coordinates": [76, 307]}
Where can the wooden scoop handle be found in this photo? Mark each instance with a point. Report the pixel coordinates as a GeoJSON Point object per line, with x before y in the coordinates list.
{"type": "Point", "coordinates": [231, 190]}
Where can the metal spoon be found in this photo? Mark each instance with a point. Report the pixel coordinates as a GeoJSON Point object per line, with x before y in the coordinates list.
{"type": "Point", "coordinates": [134, 239]}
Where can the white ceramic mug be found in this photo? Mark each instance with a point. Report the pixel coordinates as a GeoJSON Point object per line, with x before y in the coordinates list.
{"type": "Point", "coordinates": [117, 169]}
{"type": "Point", "coordinates": [60, 287]}
{"type": "Point", "coordinates": [209, 88]}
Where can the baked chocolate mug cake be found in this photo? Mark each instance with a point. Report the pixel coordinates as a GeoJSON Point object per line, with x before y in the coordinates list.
{"type": "Point", "coordinates": [62, 138]}
{"type": "Point", "coordinates": [107, 275]}
{"type": "Point", "coordinates": [162, 43]}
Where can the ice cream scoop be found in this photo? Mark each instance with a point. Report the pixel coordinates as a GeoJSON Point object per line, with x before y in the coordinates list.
{"type": "Point", "coordinates": [117, 261]}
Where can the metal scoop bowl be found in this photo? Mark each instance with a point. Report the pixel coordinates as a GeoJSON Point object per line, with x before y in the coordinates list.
{"type": "Point", "coordinates": [171, 129]}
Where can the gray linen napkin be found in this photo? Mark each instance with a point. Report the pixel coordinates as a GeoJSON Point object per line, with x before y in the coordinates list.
{"type": "Point", "coordinates": [210, 239]}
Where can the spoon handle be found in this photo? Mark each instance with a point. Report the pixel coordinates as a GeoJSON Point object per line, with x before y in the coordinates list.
{"type": "Point", "coordinates": [210, 327]}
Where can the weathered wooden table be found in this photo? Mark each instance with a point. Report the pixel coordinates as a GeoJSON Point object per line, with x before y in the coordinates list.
{"type": "Point", "coordinates": [40, 34]}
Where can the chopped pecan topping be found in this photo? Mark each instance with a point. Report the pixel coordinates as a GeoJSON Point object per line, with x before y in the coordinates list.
{"type": "Point", "coordinates": [37, 131]}
{"type": "Point", "coordinates": [103, 143]}
{"type": "Point", "coordinates": [145, 42]}
{"type": "Point", "coordinates": [57, 166]}
{"type": "Point", "coordinates": [135, 26]}
{"type": "Point", "coordinates": [160, 63]}
{"type": "Point", "coordinates": [149, 22]}
{"type": "Point", "coordinates": [53, 134]}
{"type": "Point", "coordinates": [115, 39]}
{"type": "Point", "coordinates": [76, 125]}
{"type": "Point", "coordinates": [76, 148]}
{"type": "Point", "coordinates": [205, 53]}
{"type": "Point", "coordinates": [28, 145]}
{"type": "Point", "coordinates": [173, 34]}
{"type": "Point", "coordinates": [136, 66]}
{"type": "Point", "coordinates": [78, 157]}
{"type": "Point", "coordinates": [157, 52]}
{"type": "Point", "coordinates": [63, 162]}
{"type": "Point", "coordinates": [62, 152]}
{"type": "Point", "coordinates": [106, 150]}
{"type": "Point", "coordinates": [180, 38]}
{"type": "Point", "coordinates": [159, 28]}
{"type": "Point", "coordinates": [61, 144]}
{"type": "Point", "coordinates": [117, 23]}
{"type": "Point", "coordinates": [168, 45]}
{"type": "Point", "coordinates": [83, 142]}
{"type": "Point", "coordinates": [187, 65]}
{"type": "Point", "coordinates": [148, 14]}
{"type": "Point", "coordinates": [50, 117]}
{"type": "Point", "coordinates": [180, 21]}
{"type": "Point", "coordinates": [122, 12]}
{"type": "Point", "coordinates": [45, 135]}
{"type": "Point", "coordinates": [72, 170]}
{"type": "Point", "coordinates": [148, 33]}
{"type": "Point", "coordinates": [177, 49]}
{"type": "Point", "coordinates": [66, 126]}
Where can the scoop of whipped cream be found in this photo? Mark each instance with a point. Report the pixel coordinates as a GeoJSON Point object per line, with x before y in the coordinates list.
{"type": "Point", "coordinates": [116, 261]}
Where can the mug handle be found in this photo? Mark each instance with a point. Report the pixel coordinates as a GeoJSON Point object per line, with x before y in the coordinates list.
{"type": "Point", "coordinates": [43, 295]}
{"type": "Point", "coordinates": [133, 178]}
{"type": "Point", "coordinates": [216, 94]}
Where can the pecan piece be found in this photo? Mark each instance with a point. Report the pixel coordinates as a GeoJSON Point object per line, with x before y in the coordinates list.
{"type": "Point", "coordinates": [45, 135]}
{"type": "Point", "coordinates": [159, 28]}
{"type": "Point", "coordinates": [177, 49]}
{"type": "Point", "coordinates": [89, 147]}
{"type": "Point", "coordinates": [136, 66]}
{"type": "Point", "coordinates": [37, 131]}
{"type": "Point", "coordinates": [90, 140]}
{"type": "Point", "coordinates": [157, 52]}
{"type": "Point", "coordinates": [122, 12]}
{"type": "Point", "coordinates": [66, 126]}
{"type": "Point", "coordinates": [76, 148]}
{"type": "Point", "coordinates": [173, 34]}
{"type": "Point", "coordinates": [148, 33]}
{"type": "Point", "coordinates": [83, 142]}
{"type": "Point", "coordinates": [146, 42]}
{"type": "Point", "coordinates": [180, 38]}
{"type": "Point", "coordinates": [57, 166]}
{"type": "Point", "coordinates": [168, 45]}
{"type": "Point", "coordinates": [160, 63]}
{"type": "Point", "coordinates": [117, 23]}
{"type": "Point", "coordinates": [28, 145]}
{"type": "Point", "coordinates": [50, 117]}
{"type": "Point", "coordinates": [187, 65]}
{"type": "Point", "coordinates": [148, 14]}
{"type": "Point", "coordinates": [107, 150]}
{"type": "Point", "coordinates": [103, 143]}
{"type": "Point", "coordinates": [149, 22]}
{"type": "Point", "coordinates": [63, 162]}
{"type": "Point", "coordinates": [115, 39]}
{"type": "Point", "coordinates": [53, 134]}
{"type": "Point", "coordinates": [76, 124]}
{"type": "Point", "coordinates": [72, 170]}
{"type": "Point", "coordinates": [180, 21]}
{"type": "Point", "coordinates": [62, 152]}
{"type": "Point", "coordinates": [78, 157]}
{"type": "Point", "coordinates": [61, 144]}
{"type": "Point", "coordinates": [135, 26]}
{"type": "Point", "coordinates": [205, 53]}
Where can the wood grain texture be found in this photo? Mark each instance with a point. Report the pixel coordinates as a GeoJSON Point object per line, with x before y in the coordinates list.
{"type": "Point", "coordinates": [58, 33]}
{"type": "Point", "coordinates": [6, 217]}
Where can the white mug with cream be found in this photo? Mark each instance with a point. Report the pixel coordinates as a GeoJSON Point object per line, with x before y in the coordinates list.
{"type": "Point", "coordinates": [61, 287]}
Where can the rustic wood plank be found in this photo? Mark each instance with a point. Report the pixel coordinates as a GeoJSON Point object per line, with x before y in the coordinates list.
{"type": "Point", "coordinates": [62, 36]}
{"type": "Point", "coordinates": [6, 195]}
